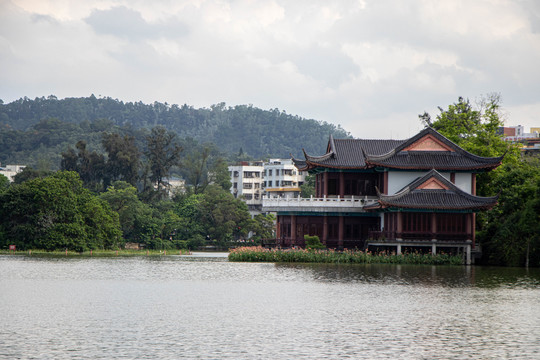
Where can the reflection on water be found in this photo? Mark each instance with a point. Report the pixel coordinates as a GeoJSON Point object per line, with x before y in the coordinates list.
{"type": "Point", "coordinates": [453, 276]}
{"type": "Point", "coordinates": [204, 307]}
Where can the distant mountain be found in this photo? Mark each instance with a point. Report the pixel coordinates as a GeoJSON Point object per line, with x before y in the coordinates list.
{"type": "Point", "coordinates": [33, 131]}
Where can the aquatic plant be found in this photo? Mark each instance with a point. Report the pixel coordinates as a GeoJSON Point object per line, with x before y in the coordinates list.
{"type": "Point", "coordinates": [260, 254]}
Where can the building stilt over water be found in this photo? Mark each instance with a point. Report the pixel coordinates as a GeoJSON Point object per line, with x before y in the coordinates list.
{"type": "Point", "coordinates": [394, 194]}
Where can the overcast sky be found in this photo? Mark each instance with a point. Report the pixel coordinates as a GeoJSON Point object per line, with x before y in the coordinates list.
{"type": "Point", "coordinates": [371, 65]}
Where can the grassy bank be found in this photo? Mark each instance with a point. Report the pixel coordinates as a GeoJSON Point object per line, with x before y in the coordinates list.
{"type": "Point", "coordinates": [260, 254]}
{"type": "Point", "coordinates": [95, 253]}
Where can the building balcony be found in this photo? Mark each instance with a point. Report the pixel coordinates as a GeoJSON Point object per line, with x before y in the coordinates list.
{"type": "Point", "coordinates": [326, 204]}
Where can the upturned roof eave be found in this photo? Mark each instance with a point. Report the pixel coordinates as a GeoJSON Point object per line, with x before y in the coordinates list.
{"type": "Point", "coordinates": [428, 167]}
{"type": "Point", "coordinates": [490, 163]}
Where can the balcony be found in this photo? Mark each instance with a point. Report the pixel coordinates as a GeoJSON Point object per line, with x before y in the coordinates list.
{"type": "Point", "coordinates": [325, 204]}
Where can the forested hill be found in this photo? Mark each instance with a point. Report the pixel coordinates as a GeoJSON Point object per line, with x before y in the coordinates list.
{"type": "Point", "coordinates": [52, 122]}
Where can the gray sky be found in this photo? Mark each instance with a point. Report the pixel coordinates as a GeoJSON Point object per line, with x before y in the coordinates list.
{"type": "Point", "coordinates": [370, 65]}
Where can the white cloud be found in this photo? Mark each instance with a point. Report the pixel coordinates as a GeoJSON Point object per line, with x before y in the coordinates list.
{"type": "Point", "coordinates": [371, 66]}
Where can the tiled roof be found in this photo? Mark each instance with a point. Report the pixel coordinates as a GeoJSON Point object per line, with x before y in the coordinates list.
{"type": "Point", "coordinates": [457, 159]}
{"type": "Point", "coordinates": [347, 153]}
{"type": "Point", "coordinates": [366, 153]}
{"type": "Point", "coordinates": [441, 160]}
{"type": "Point", "coordinates": [413, 196]}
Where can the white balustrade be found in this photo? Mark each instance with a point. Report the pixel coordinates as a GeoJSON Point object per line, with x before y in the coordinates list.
{"type": "Point", "coordinates": [311, 202]}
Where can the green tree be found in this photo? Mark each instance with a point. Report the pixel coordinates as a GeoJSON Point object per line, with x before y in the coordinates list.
{"type": "Point", "coordinates": [190, 215]}
{"type": "Point", "coordinates": [223, 217]}
{"type": "Point", "coordinates": [89, 165]}
{"type": "Point", "coordinates": [219, 174]}
{"type": "Point", "coordinates": [512, 233]}
{"type": "Point", "coordinates": [123, 157]}
{"type": "Point", "coordinates": [163, 153]}
{"type": "Point", "coordinates": [138, 221]}
{"type": "Point", "coordinates": [196, 169]}
{"type": "Point", "coordinates": [4, 183]}
{"type": "Point", "coordinates": [308, 187]}
{"type": "Point", "coordinates": [56, 212]}
{"type": "Point", "coordinates": [264, 226]}
{"type": "Point", "coordinates": [28, 173]}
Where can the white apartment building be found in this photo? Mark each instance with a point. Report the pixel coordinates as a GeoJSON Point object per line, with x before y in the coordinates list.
{"type": "Point", "coordinates": [246, 179]}
{"type": "Point", "coordinates": [10, 171]}
{"type": "Point", "coordinates": [275, 178]}
{"type": "Point", "coordinates": [282, 178]}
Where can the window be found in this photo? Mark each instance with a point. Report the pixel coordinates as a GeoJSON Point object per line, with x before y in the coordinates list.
{"type": "Point", "coordinates": [277, 172]}
{"type": "Point", "coordinates": [248, 196]}
{"type": "Point", "coordinates": [277, 182]}
{"type": "Point", "coordinates": [235, 186]}
{"type": "Point", "coordinates": [270, 172]}
{"type": "Point", "coordinates": [257, 185]}
{"type": "Point", "coordinates": [269, 184]}
{"type": "Point", "coordinates": [248, 186]}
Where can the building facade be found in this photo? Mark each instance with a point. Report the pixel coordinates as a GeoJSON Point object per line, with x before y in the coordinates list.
{"type": "Point", "coordinates": [282, 178]}
{"type": "Point", "coordinates": [10, 171]}
{"type": "Point", "coordinates": [419, 192]}
{"type": "Point", "coordinates": [246, 180]}
{"type": "Point", "coordinates": [276, 178]}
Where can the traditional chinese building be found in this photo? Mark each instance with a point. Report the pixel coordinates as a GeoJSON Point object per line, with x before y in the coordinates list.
{"type": "Point", "coordinates": [419, 192]}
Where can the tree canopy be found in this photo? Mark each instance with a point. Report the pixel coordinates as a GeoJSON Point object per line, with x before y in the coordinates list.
{"type": "Point", "coordinates": [509, 234]}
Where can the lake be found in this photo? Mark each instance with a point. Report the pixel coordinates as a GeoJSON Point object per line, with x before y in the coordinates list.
{"type": "Point", "coordinates": [204, 307]}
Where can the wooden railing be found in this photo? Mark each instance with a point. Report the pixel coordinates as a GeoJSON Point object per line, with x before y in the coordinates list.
{"type": "Point", "coordinates": [422, 236]}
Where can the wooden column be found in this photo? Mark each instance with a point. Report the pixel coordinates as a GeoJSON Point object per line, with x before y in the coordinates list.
{"type": "Point", "coordinates": [433, 225]}
{"type": "Point", "coordinates": [325, 184]}
{"type": "Point", "coordinates": [385, 183]}
{"type": "Point", "coordinates": [341, 185]}
{"type": "Point", "coordinates": [473, 229]}
{"type": "Point", "coordinates": [473, 184]}
{"type": "Point", "coordinates": [399, 229]}
{"type": "Point", "coordinates": [293, 229]}
{"type": "Point", "coordinates": [325, 230]}
{"type": "Point", "coordinates": [278, 227]}
{"type": "Point", "coordinates": [453, 178]}
{"type": "Point", "coordinates": [468, 226]}
{"type": "Point", "coordinates": [340, 232]}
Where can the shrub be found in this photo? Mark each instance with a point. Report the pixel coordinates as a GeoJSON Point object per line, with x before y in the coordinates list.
{"type": "Point", "coordinates": [313, 242]}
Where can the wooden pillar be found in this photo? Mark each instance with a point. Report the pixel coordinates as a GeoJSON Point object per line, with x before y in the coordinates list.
{"type": "Point", "coordinates": [473, 229]}
{"type": "Point", "coordinates": [468, 226]}
{"type": "Point", "coordinates": [473, 184]}
{"type": "Point", "coordinates": [340, 232]}
{"type": "Point", "coordinates": [293, 229]}
{"type": "Point", "coordinates": [399, 229]}
{"type": "Point", "coordinates": [341, 185]}
{"type": "Point", "coordinates": [325, 184]}
{"type": "Point", "coordinates": [325, 230]}
{"type": "Point", "coordinates": [278, 227]}
{"type": "Point", "coordinates": [433, 225]}
{"type": "Point", "coordinates": [385, 183]}
{"type": "Point", "coordinates": [453, 178]}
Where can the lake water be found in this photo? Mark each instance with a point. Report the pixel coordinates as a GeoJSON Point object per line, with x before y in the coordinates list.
{"type": "Point", "coordinates": [204, 307]}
